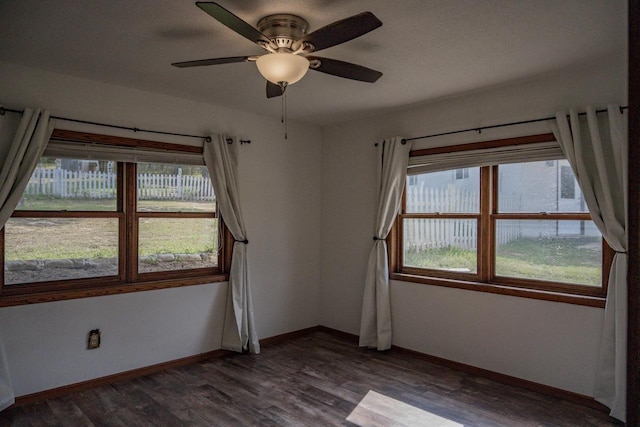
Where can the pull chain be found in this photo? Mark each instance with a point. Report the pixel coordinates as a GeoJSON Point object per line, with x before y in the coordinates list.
{"type": "Point", "coordinates": [283, 114]}
{"type": "Point", "coordinates": [284, 100]}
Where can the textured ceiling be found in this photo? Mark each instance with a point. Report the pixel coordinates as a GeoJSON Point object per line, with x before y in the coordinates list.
{"type": "Point", "coordinates": [427, 49]}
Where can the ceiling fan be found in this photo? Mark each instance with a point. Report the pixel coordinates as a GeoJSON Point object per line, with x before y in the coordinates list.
{"type": "Point", "coordinates": [290, 48]}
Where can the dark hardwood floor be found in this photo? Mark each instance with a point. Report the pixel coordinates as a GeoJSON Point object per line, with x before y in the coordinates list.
{"type": "Point", "coordinates": [314, 380]}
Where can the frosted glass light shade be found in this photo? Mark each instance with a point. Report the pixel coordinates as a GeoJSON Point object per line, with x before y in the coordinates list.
{"type": "Point", "coordinates": [282, 67]}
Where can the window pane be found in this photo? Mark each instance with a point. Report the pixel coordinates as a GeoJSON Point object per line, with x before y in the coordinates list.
{"type": "Point", "coordinates": [558, 251]}
{"type": "Point", "coordinates": [447, 244]}
{"type": "Point", "coordinates": [547, 186]}
{"type": "Point", "coordinates": [174, 188]}
{"type": "Point", "coordinates": [453, 191]}
{"type": "Point", "coordinates": [177, 244]}
{"type": "Point", "coordinates": [45, 249]}
{"type": "Point", "coordinates": [73, 185]}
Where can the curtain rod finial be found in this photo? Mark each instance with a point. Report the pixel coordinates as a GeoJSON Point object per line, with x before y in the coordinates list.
{"type": "Point", "coordinates": [2, 111]}
{"type": "Point", "coordinates": [207, 139]}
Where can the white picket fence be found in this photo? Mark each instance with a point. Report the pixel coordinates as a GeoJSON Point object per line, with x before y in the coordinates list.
{"type": "Point", "coordinates": [422, 234]}
{"type": "Point", "coordinates": [419, 234]}
{"type": "Point", "coordinates": [102, 185]}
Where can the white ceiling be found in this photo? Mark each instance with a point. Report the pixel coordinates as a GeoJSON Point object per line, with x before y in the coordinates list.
{"type": "Point", "coordinates": [427, 49]}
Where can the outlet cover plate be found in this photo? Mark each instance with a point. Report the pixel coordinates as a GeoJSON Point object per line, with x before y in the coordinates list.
{"type": "Point", "coordinates": [94, 339]}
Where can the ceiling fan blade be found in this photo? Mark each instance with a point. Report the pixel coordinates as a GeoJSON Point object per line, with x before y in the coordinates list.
{"type": "Point", "coordinates": [273, 90]}
{"type": "Point", "coordinates": [345, 69]}
{"type": "Point", "coordinates": [212, 61]}
{"type": "Point", "coordinates": [341, 31]}
{"type": "Point", "coordinates": [232, 21]}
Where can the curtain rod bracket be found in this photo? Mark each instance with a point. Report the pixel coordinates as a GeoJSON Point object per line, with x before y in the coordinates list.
{"type": "Point", "coordinates": [229, 141]}
{"type": "Point", "coordinates": [245, 141]}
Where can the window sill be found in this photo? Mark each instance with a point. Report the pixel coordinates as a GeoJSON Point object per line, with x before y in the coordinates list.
{"type": "Point", "coordinates": [41, 297]}
{"type": "Point", "coordinates": [588, 301]}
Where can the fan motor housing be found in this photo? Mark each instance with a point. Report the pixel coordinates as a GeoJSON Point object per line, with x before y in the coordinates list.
{"type": "Point", "coordinates": [283, 29]}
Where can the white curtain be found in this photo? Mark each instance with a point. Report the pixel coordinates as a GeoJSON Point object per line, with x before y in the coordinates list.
{"type": "Point", "coordinates": [26, 149]}
{"type": "Point", "coordinates": [597, 152]}
{"type": "Point", "coordinates": [375, 324]}
{"type": "Point", "coordinates": [239, 333]}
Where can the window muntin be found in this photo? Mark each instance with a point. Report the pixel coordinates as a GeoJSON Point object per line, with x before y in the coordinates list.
{"type": "Point", "coordinates": [505, 218]}
{"type": "Point", "coordinates": [91, 238]}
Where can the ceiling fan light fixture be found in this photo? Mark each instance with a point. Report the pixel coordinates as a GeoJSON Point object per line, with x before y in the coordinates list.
{"type": "Point", "coordinates": [282, 67]}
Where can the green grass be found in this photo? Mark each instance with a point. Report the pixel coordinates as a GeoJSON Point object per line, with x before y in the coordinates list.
{"type": "Point", "coordinates": [60, 238]}
{"type": "Point", "coordinates": [570, 260]}
{"type": "Point", "coordinates": [178, 236]}
{"type": "Point", "coordinates": [442, 258]}
{"type": "Point", "coordinates": [566, 260]}
{"type": "Point", "coordinates": [75, 238]}
{"type": "Point", "coordinates": [46, 203]}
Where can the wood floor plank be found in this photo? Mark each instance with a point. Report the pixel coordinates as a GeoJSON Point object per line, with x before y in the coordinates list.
{"type": "Point", "coordinates": [313, 380]}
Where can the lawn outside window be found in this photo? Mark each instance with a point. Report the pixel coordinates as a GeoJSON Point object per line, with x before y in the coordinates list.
{"type": "Point", "coordinates": [514, 226]}
{"type": "Point", "coordinates": [87, 227]}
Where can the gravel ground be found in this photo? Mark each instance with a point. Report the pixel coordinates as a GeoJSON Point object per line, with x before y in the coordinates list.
{"type": "Point", "coordinates": [41, 271]}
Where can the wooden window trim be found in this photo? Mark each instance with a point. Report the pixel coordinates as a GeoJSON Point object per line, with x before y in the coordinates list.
{"type": "Point", "coordinates": [119, 141]}
{"type": "Point", "coordinates": [128, 279]}
{"type": "Point", "coordinates": [485, 280]}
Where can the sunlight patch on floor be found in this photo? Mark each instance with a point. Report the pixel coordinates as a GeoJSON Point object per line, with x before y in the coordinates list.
{"type": "Point", "coordinates": [376, 409]}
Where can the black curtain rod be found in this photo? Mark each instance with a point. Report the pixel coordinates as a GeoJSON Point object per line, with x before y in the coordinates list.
{"type": "Point", "coordinates": [3, 110]}
{"type": "Point", "coordinates": [480, 129]}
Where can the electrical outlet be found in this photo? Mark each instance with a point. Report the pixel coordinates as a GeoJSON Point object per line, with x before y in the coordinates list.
{"type": "Point", "coordinates": [94, 339]}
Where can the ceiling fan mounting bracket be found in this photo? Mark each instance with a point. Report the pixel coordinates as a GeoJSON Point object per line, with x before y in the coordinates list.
{"type": "Point", "coordinates": [283, 30]}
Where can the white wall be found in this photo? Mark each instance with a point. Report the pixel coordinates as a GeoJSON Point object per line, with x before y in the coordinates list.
{"type": "Point", "coordinates": [280, 184]}
{"type": "Point", "coordinates": [546, 342]}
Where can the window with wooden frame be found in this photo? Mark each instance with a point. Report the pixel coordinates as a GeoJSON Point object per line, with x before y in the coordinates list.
{"type": "Point", "coordinates": [105, 215]}
{"type": "Point", "coordinates": [509, 228]}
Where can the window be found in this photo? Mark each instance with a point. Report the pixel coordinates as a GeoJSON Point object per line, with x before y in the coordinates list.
{"type": "Point", "coordinates": [505, 228]}
{"type": "Point", "coordinates": [85, 225]}
{"type": "Point", "coordinates": [567, 183]}
{"type": "Point", "coordinates": [462, 173]}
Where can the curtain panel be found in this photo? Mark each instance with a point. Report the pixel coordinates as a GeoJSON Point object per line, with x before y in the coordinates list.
{"type": "Point", "coordinates": [597, 151]}
{"type": "Point", "coordinates": [239, 333]}
{"type": "Point", "coordinates": [375, 325]}
{"type": "Point", "coordinates": [26, 148]}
